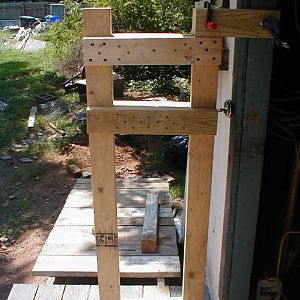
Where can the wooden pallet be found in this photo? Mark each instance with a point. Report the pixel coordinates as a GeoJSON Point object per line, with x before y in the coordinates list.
{"type": "Point", "coordinates": [90, 292]}
{"type": "Point", "coordinates": [70, 250]}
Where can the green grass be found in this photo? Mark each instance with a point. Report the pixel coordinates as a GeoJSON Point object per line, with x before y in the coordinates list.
{"type": "Point", "coordinates": [178, 185]}
{"type": "Point", "coordinates": [23, 75]}
{"type": "Point", "coordinates": [12, 218]}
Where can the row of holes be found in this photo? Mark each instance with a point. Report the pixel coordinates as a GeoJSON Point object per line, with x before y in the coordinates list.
{"type": "Point", "coordinates": [149, 127]}
{"type": "Point", "coordinates": [119, 59]}
{"type": "Point", "coordinates": [185, 44]}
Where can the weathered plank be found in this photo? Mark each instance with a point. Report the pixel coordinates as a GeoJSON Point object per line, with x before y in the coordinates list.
{"type": "Point", "coordinates": [85, 216]}
{"type": "Point", "coordinates": [31, 119]}
{"type": "Point", "coordinates": [234, 23]}
{"type": "Point", "coordinates": [76, 292]}
{"type": "Point", "coordinates": [23, 291]}
{"type": "Point", "coordinates": [200, 153]}
{"type": "Point", "coordinates": [156, 292]}
{"type": "Point", "coordinates": [86, 266]}
{"type": "Point", "coordinates": [151, 49]}
{"type": "Point", "coordinates": [149, 237]}
{"type": "Point", "coordinates": [128, 235]}
{"type": "Point", "coordinates": [168, 121]}
{"type": "Point", "coordinates": [49, 291]}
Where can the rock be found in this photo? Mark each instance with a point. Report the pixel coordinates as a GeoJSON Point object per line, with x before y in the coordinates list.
{"type": "Point", "coordinates": [3, 247]}
{"type": "Point", "coordinates": [6, 157]}
{"type": "Point", "coordinates": [74, 170]}
{"type": "Point", "coordinates": [6, 203]}
{"type": "Point", "coordinates": [18, 183]}
{"type": "Point", "coordinates": [3, 239]}
{"type": "Point", "coordinates": [12, 197]}
{"type": "Point", "coordinates": [4, 257]}
{"type": "Point", "coordinates": [26, 159]}
{"type": "Point", "coordinates": [86, 174]}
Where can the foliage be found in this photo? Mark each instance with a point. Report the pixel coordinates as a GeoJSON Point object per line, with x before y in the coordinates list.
{"type": "Point", "coordinates": [128, 16]}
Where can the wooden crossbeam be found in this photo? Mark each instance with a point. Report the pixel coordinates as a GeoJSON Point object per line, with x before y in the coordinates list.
{"type": "Point", "coordinates": [234, 23]}
{"type": "Point", "coordinates": [149, 234]}
{"type": "Point", "coordinates": [152, 49]}
{"type": "Point", "coordinates": [149, 120]}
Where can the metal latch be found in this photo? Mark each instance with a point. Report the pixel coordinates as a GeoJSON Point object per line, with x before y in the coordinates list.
{"type": "Point", "coordinates": [273, 27]}
{"type": "Point", "coordinates": [227, 109]}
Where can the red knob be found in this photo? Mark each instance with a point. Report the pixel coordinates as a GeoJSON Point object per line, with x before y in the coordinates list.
{"type": "Point", "coordinates": [211, 25]}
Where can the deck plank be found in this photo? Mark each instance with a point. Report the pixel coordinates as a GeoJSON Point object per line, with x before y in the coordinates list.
{"type": "Point", "coordinates": [70, 248]}
{"type": "Point", "coordinates": [85, 266]}
{"type": "Point", "coordinates": [49, 291]}
{"type": "Point", "coordinates": [89, 292]}
{"type": "Point", "coordinates": [76, 292]}
{"type": "Point", "coordinates": [157, 292]}
{"type": "Point", "coordinates": [23, 291]}
{"type": "Point", "coordinates": [85, 216]}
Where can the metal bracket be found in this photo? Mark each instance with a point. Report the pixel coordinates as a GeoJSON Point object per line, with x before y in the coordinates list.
{"type": "Point", "coordinates": [227, 109]}
{"type": "Point", "coordinates": [273, 27]}
{"type": "Point", "coordinates": [106, 239]}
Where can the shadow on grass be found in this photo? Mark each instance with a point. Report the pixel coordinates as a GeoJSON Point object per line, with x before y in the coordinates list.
{"type": "Point", "coordinates": [20, 82]}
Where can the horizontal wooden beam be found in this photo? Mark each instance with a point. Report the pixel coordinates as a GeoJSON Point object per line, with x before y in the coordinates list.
{"type": "Point", "coordinates": [151, 120]}
{"type": "Point", "coordinates": [151, 49]}
{"type": "Point", "coordinates": [234, 23]}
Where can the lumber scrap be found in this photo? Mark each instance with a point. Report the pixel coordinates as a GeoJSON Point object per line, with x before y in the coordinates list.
{"type": "Point", "coordinates": [149, 234]}
{"type": "Point", "coordinates": [31, 119]}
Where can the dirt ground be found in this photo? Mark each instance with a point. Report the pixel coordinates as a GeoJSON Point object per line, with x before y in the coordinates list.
{"type": "Point", "coordinates": [48, 193]}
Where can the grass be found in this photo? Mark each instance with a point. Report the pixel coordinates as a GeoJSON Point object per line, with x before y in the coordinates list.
{"type": "Point", "coordinates": [13, 217]}
{"type": "Point", "coordinates": [23, 75]}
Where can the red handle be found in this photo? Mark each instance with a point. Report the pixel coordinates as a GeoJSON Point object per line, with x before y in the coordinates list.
{"type": "Point", "coordinates": [211, 25]}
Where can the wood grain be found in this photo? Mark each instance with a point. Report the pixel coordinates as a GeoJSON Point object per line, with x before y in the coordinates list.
{"type": "Point", "coordinates": [50, 291]}
{"type": "Point", "coordinates": [149, 237]}
{"type": "Point", "coordinates": [234, 23]}
{"type": "Point", "coordinates": [86, 266]}
{"type": "Point", "coordinates": [168, 121]}
{"type": "Point", "coordinates": [151, 49]}
{"type": "Point", "coordinates": [23, 291]}
{"type": "Point", "coordinates": [97, 22]}
{"type": "Point", "coordinates": [204, 89]}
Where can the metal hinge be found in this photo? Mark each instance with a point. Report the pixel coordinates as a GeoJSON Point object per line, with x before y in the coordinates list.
{"type": "Point", "coordinates": [227, 109]}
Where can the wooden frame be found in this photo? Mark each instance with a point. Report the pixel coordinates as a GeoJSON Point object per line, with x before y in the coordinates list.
{"type": "Point", "coordinates": [102, 50]}
{"type": "Point", "coordinates": [166, 121]}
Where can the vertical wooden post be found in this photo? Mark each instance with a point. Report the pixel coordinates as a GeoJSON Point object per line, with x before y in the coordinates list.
{"type": "Point", "coordinates": [97, 23]}
{"type": "Point", "coordinates": [198, 185]}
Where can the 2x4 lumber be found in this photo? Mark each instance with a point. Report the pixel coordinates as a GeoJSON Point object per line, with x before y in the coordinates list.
{"type": "Point", "coordinates": [234, 23]}
{"type": "Point", "coordinates": [152, 49]}
{"type": "Point", "coordinates": [97, 22]}
{"type": "Point", "coordinates": [149, 238]}
{"type": "Point", "coordinates": [200, 154]}
{"type": "Point", "coordinates": [168, 121]}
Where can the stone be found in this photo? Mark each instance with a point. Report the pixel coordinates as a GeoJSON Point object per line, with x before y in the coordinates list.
{"type": "Point", "coordinates": [3, 239]}
{"type": "Point", "coordinates": [74, 170]}
{"type": "Point", "coordinates": [86, 174]}
{"type": "Point", "coordinates": [12, 197]}
{"type": "Point", "coordinates": [4, 247]}
{"type": "Point", "coordinates": [6, 157]}
{"type": "Point", "coordinates": [26, 159]}
{"type": "Point", "coordinates": [18, 183]}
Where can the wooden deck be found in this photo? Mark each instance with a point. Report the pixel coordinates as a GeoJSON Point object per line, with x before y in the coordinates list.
{"type": "Point", "coordinates": [90, 292]}
{"type": "Point", "coordinates": [70, 249]}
